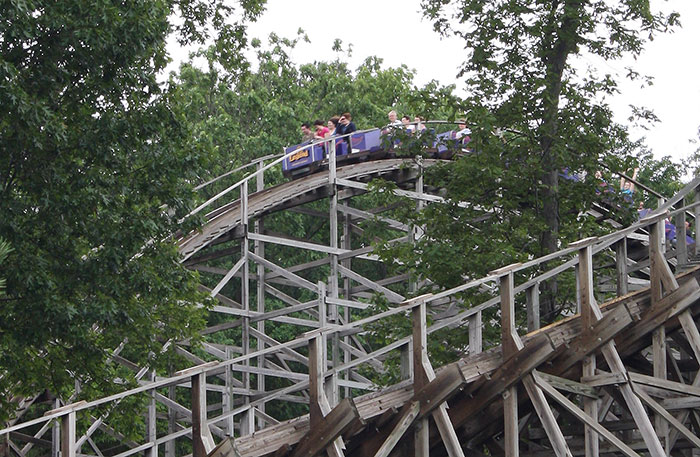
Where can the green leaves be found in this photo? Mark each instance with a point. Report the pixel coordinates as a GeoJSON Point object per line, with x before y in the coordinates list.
{"type": "Point", "coordinates": [95, 172]}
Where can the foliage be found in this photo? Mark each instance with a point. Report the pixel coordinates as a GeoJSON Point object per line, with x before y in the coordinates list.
{"type": "Point", "coordinates": [535, 118]}
{"type": "Point", "coordinates": [94, 175]}
{"type": "Point", "coordinates": [5, 249]}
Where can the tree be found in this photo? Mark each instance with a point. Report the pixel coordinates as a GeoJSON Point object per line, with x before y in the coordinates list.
{"type": "Point", "coordinates": [522, 74]}
{"type": "Point", "coordinates": [93, 179]}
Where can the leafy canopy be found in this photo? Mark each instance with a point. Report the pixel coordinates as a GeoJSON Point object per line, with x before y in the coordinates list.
{"type": "Point", "coordinates": [94, 174]}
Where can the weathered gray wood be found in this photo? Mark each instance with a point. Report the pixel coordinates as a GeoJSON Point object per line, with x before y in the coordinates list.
{"type": "Point", "coordinates": [621, 267]}
{"type": "Point", "coordinates": [696, 220]}
{"type": "Point", "coordinates": [583, 417]}
{"type": "Point", "coordinates": [68, 448]}
{"type": "Point", "coordinates": [389, 294]}
{"type": "Point", "coordinates": [475, 334]}
{"type": "Point", "coordinates": [567, 385]}
{"type": "Point", "coordinates": [404, 423]}
{"type": "Point", "coordinates": [681, 242]}
{"type": "Point", "coordinates": [421, 375]}
{"type": "Point", "coordinates": [633, 403]}
{"type": "Point", "coordinates": [202, 441]}
{"type": "Point", "coordinates": [298, 280]}
{"type": "Point", "coordinates": [659, 410]}
{"type": "Point", "coordinates": [590, 314]}
{"type": "Point", "coordinates": [549, 422]}
{"type": "Point", "coordinates": [326, 434]}
{"type": "Point", "coordinates": [533, 307]}
{"type": "Point", "coordinates": [151, 433]}
{"type": "Point", "coordinates": [659, 350]}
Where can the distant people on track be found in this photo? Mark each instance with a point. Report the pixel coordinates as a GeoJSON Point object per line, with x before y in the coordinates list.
{"type": "Point", "coordinates": [306, 133]}
{"type": "Point", "coordinates": [394, 119]}
{"type": "Point", "coordinates": [406, 122]}
{"type": "Point", "coordinates": [345, 125]}
{"type": "Point", "coordinates": [464, 132]}
{"type": "Point", "coordinates": [419, 126]}
{"type": "Point", "coordinates": [332, 125]}
{"type": "Point", "coordinates": [627, 186]}
{"type": "Point", "coordinates": [321, 130]}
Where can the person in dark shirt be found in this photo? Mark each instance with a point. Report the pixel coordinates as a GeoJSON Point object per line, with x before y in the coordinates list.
{"type": "Point", "coordinates": [345, 125]}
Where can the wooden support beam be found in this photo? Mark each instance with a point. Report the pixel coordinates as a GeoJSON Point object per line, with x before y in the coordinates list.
{"type": "Point", "coordinates": [480, 393]}
{"type": "Point", "coordinates": [622, 282]}
{"type": "Point", "coordinates": [572, 409]}
{"type": "Point", "coordinates": [68, 447]}
{"type": "Point", "coordinates": [202, 441]}
{"type": "Point", "coordinates": [549, 422]}
{"type": "Point", "coordinates": [567, 385]}
{"type": "Point", "coordinates": [532, 295]}
{"type": "Point", "coordinates": [421, 376]}
{"type": "Point", "coordinates": [668, 417]}
{"type": "Point", "coordinates": [406, 420]}
{"type": "Point", "coordinates": [323, 434]}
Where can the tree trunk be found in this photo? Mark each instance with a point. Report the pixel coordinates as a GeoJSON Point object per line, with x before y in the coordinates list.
{"type": "Point", "coordinates": [565, 41]}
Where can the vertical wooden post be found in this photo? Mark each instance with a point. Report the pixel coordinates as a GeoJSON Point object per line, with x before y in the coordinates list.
{"type": "Point", "coordinates": [590, 313]}
{"type": "Point", "coordinates": [407, 361]}
{"type": "Point", "coordinates": [621, 267]}
{"type": "Point", "coordinates": [660, 371]}
{"type": "Point", "coordinates": [663, 231]}
{"type": "Point", "coordinates": [259, 248]}
{"type": "Point", "coordinates": [532, 295]}
{"type": "Point", "coordinates": [151, 431]}
{"type": "Point", "coordinates": [332, 385]}
{"type": "Point", "coordinates": [248, 417]}
{"type": "Point", "coordinates": [696, 221]}
{"type": "Point", "coordinates": [318, 402]}
{"type": "Point", "coordinates": [316, 380]}
{"type": "Point", "coordinates": [55, 434]}
{"type": "Point", "coordinates": [420, 375]}
{"type": "Point", "coordinates": [202, 441]}
{"type": "Point", "coordinates": [227, 397]}
{"type": "Point", "coordinates": [347, 263]}
{"type": "Point", "coordinates": [510, 345]}
{"type": "Point", "coordinates": [68, 435]}
{"type": "Point", "coordinates": [681, 243]}
{"type": "Point", "coordinates": [172, 421]}
{"type": "Point", "coordinates": [475, 334]}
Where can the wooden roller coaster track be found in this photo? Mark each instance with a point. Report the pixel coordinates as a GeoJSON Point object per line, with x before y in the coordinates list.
{"type": "Point", "coordinates": [618, 378]}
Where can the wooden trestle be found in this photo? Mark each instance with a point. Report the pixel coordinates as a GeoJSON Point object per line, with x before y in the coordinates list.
{"type": "Point", "coordinates": [617, 378]}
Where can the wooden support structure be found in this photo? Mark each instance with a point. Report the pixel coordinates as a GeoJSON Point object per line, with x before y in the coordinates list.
{"type": "Point", "coordinates": [518, 390]}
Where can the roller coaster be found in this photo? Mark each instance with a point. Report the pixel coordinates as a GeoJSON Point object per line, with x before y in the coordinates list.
{"type": "Point", "coordinates": [619, 377]}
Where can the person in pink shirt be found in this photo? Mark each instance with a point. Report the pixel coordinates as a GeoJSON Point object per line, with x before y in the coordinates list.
{"type": "Point", "coordinates": [321, 130]}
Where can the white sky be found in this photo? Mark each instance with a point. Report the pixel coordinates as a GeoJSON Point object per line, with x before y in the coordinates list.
{"type": "Point", "coordinates": [395, 31]}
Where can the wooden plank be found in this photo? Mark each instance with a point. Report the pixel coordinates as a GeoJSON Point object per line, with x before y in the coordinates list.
{"type": "Point", "coordinates": [602, 378]}
{"type": "Point", "coordinates": [658, 409]}
{"type": "Point", "coordinates": [567, 385]}
{"type": "Point", "coordinates": [340, 419]}
{"type": "Point", "coordinates": [447, 432]}
{"type": "Point", "coordinates": [479, 394]}
{"type": "Point", "coordinates": [691, 333]}
{"type": "Point", "coordinates": [389, 294]}
{"type": "Point", "coordinates": [583, 417]}
{"type": "Point", "coordinates": [634, 404]}
{"type": "Point", "coordinates": [622, 283]}
{"type": "Point", "coordinates": [671, 386]}
{"type": "Point", "coordinates": [612, 323]}
{"type": "Point", "coordinates": [549, 422]}
{"type": "Point", "coordinates": [202, 441]}
{"type": "Point", "coordinates": [68, 447]}
{"type": "Point", "coordinates": [407, 418]}
{"type": "Point", "coordinates": [298, 280]}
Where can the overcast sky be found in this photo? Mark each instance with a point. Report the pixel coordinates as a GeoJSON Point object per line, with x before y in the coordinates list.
{"type": "Point", "coordinates": [395, 31]}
